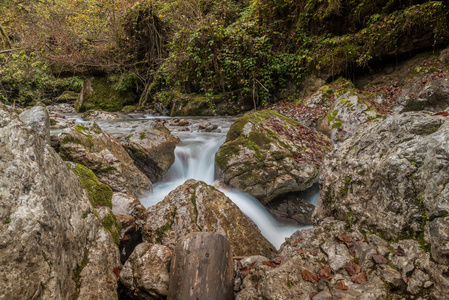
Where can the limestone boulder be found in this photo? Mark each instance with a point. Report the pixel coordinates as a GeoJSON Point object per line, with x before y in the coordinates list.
{"type": "Point", "coordinates": [291, 209]}
{"type": "Point", "coordinates": [198, 207]}
{"type": "Point", "coordinates": [153, 150]}
{"type": "Point", "coordinates": [100, 115]}
{"type": "Point", "coordinates": [266, 154]}
{"type": "Point", "coordinates": [52, 246]}
{"type": "Point", "coordinates": [145, 275]}
{"type": "Point", "coordinates": [127, 205]}
{"type": "Point", "coordinates": [88, 145]}
{"type": "Point", "coordinates": [392, 179]}
{"type": "Point", "coordinates": [348, 113]}
{"type": "Point", "coordinates": [37, 118]}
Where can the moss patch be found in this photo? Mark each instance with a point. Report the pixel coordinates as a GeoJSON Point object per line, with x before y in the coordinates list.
{"type": "Point", "coordinates": [111, 224]}
{"type": "Point", "coordinates": [99, 194]}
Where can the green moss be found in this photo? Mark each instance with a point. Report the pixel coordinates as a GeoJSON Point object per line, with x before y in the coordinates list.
{"type": "Point", "coordinates": [53, 122]}
{"type": "Point", "coordinates": [160, 232]}
{"type": "Point", "coordinates": [260, 139]}
{"type": "Point", "coordinates": [142, 135]}
{"type": "Point", "coordinates": [99, 194]}
{"type": "Point", "coordinates": [225, 153]}
{"type": "Point", "coordinates": [81, 129]}
{"type": "Point", "coordinates": [237, 128]}
{"type": "Point", "coordinates": [7, 221]}
{"type": "Point", "coordinates": [289, 284]}
{"type": "Point", "coordinates": [77, 275]}
{"type": "Point", "coordinates": [332, 115]}
{"type": "Point", "coordinates": [104, 97]}
{"type": "Point", "coordinates": [344, 189]}
{"type": "Point", "coordinates": [129, 108]}
{"type": "Point", "coordinates": [337, 124]}
{"type": "Point", "coordinates": [111, 224]}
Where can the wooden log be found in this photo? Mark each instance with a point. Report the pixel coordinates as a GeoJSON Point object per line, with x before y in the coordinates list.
{"type": "Point", "coordinates": [201, 268]}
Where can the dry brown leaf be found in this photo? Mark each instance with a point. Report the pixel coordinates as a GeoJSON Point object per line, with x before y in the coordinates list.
{"type": "Point", "coordinates": [309, 276]}
{"type": "Point", "coordinates": [399, 251]}
{"type": "Point", "coordinates": [325, 272]}
{"type": "Point", "coordinates": [379, 259]}
{"type": "Point", "coordinates": [359, 278]}
{"type": "Point", "coordinates": [269, 263]}
{"type": "Point", "coordinates": [342, 286]}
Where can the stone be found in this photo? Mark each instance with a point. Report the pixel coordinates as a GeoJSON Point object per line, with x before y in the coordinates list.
{"type": "Point", "coordinates": [52, 246]}
{"type": "Point", "coordinates": [444, 56]}
{"type": "Point", "coordinates": [390, 275]}
{"type": "Point", "coordinates": [432, 96]}
{"type": "Point", "coordinates": [291, 209]}
{"type": "Point", "coordinates": [88, 145]}
{"type": "Point", "coordinates": [266, 155]}
{"type": "Point", "coordinates": [347, 115]}
{"type": "Point", "coordinates": [201, 268]}
{"type": "Point", "coordinates": [404, 158]}
{"type": "Point", "coordinates": [109, 222]}
{"type": "Point", "coordinates": [197, 207]}
{"type": "Point", "coordinates": [338, 255]}
{"type": "Point", "coordinates": [145, 275]}
{"type": "Point", "coordinates": [152, 149]}
{"type": "Point", "coordinates": [100, 115]}
{"type": "Point", "coordinates": [99, 94]}
{"type": "Point", "coordinates": [37, 118]}
{"type": "Point", "coordinates": [127, 205]}
{"type": "Point", "coordinates": [439, 239]}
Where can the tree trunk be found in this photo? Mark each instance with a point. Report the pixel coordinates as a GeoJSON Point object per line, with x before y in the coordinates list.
{"type": "Point", "coordinates": [201, 268]}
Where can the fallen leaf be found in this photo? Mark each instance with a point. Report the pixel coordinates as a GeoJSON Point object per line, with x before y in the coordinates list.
{"type": "Point", "coordinates": [399, 251]}
{"type": "Point", "coordinates": [359, 278]}
{"type": "Point", "coordinates": [244, 271]}
{"type": "Point", "coordinates": [295, 242]}
{"type": "Point", "coordinates": [309, 276]}
{"type": "Point", "coordinates": [357, 268]}
{"type": "Point", "coordinates": [350, 269]}
{"type": "Point", "coordinates": [116, 271]}
{"type": "Point", "coordinates": [312, 294]}
{"type": "Point", "coordinates": [405, 278]}
{"type": "Point", "coordinates": [342, 286]}
{"type": "Point", "coordinates": [379, 259]}
{"type": "Point", "coordinates": [441, 113]}
{"type": "Point", "coordinates": [109, 282]}
{"type": "Point", "coordinates": [269, 263]}
{"type": "Point", "coordinates": [325, 272]}
{"type": "Point", "coordinates": [314, 252]}
{"type": "Point", "coordinates": [301, 251]}
{"type": "Point", "coordinates": [278, 260]}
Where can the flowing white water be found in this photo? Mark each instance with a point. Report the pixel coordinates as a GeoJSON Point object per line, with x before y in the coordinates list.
{"type": "Point", "coordinates": [194, 158]}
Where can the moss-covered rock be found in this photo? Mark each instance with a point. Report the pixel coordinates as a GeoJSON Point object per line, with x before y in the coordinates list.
{"type": "Point", "coordinates": [89, 146]}
{"type": "Point", "coordinates": [99, 94]}
{"type": "Point", "coordinates": [109, 222]}
{"type": "Point", "coordinates": [99, 194]}
{"type": "Point", "coordinates": [266, 154]}
{"type": "Point", "coordinates": [195, 207]}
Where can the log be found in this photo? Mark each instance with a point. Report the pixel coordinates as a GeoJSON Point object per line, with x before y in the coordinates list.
{"type": "Point", "coordinates": [201, 268]}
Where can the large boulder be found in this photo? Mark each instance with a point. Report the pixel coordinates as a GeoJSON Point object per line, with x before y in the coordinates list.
{"type": "Point", "coordinates": [331, 261]}
{"type": "Point", "coordinates": [90, 146]}
{"type": "Point", "coordinates": [392, 178]}
{"type": "Point", "coordinates": [153, 150]}
{"type": "Point", "coordinates": [198, 207]}
{"type": "Point", "coordinates": [52, 246]}
{"type": "Point", "coordinates": [100, 94]}
{"type": "Point", "coordinates": [347, 114]}
{"type": "Point", "coordinates": [37, 118]}
{"type": "Point", "coordinates": [429, 93]}
{"type": "Point", "coordinates": [266, 154]}
{"type": "Point", "coordinates": [141, 283]}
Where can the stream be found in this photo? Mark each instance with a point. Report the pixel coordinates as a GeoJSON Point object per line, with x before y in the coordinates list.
{"type": "Point", "coordinates": [194, 158]}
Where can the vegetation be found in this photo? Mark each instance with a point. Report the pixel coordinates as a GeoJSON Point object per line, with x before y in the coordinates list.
{"type": "Point", "coordinates": [259, 51]}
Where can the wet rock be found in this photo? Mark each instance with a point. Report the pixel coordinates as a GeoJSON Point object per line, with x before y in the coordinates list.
{"type": "Point", "coordinates": [63, 108]}
{"type": "Point", "coordinates": [195, 207]}
{"type": "Point", "coordinates": [100, 115]}
{"type": "Point", "coordinates": [139, 282]}
{"type": "Point", "coordinates": [52, 246]}
{"type": "Point", "coordinates": [207, 126]}
{"type": "Point", "coordinates": [37, 118]}
{"type": "Point", "coordinates": [266, 154]}
{"type": "Point", "coordinates": [347, 114]}
{"type": "Point", "coordinates": [404, 158]}
{"type": "Point", "coordinates": [291, 209]}
{"type": "Point", "coordinates": [152, 149]}
{"type": "Point", "coordinates": [97, 150]}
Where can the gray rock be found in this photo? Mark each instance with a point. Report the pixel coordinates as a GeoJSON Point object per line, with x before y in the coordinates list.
{"type": "Point", "coordinates": [337, 254]}
{"type": "Point", "coordinates": [52, 246]}
{"type": "Point", "coordinates": [390, 275]}
{"type": "Point", "coordinates": [391, 178]}
{"type": "Point", "coordinates": [152, 149]}
{"type": "Point", "coordinates": [439, 239]}
{"type": "Point", "coordinates": [100, 115]}
{"type": "Point", "coordinates": [127, 205]}
{"type": "Point", "coordinates": [136, 277]}
{"type": "Point", "coordinates": [291, 209]}
{"type": "Point", "coordinates": [266, 155]}
{"type": "Point", "coordinates": [97, 150]}
{"type": "Point", "coordinates": [37, 118]}
{"type": "Point", "coordinates": [197, 207]}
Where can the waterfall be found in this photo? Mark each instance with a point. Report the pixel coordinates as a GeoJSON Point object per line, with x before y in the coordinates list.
{"type": "Point", "coordinates": [194, 158]}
